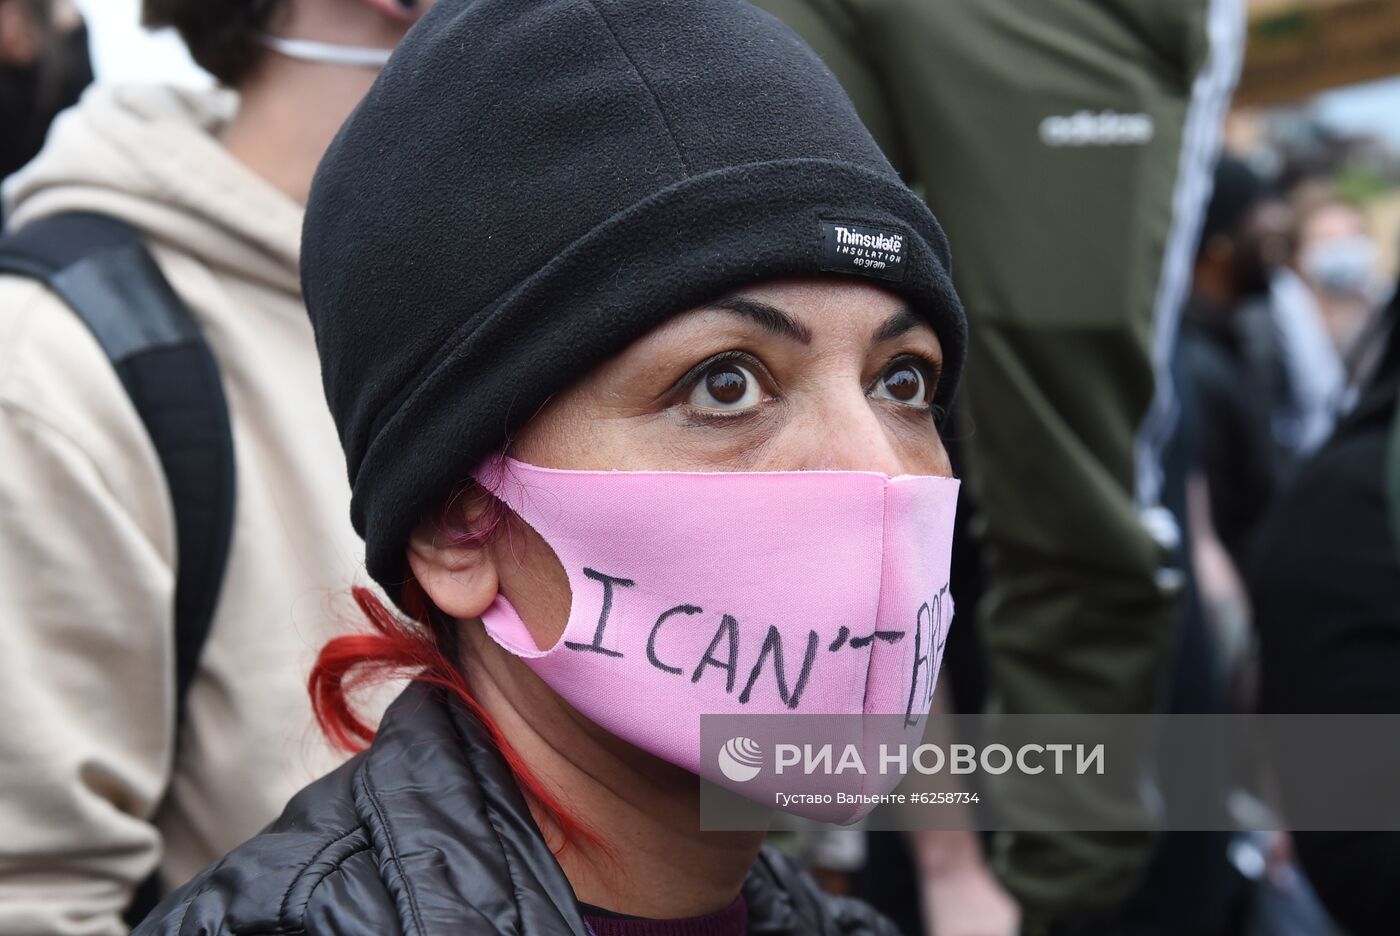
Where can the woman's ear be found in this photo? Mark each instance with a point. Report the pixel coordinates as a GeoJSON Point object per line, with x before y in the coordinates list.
{"type": "Point", "coordinates": [460, 579]}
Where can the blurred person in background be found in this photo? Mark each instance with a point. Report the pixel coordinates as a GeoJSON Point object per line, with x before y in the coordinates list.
{"type": "Point", "coordinates": [44, 66]}
{"type": "Point", "coordinates": [1309, 350]}
{"type": "Point", "coordinates": [1067, 147]}
{"type": "Point", "coordinates": [1340, 262]}
{"type": "Point", "coordinates": [1325, 583]}
{"type": "Point", "coordinates": [1226, 320]}
{"type": "Point", "coordinates": [1307, 400]}
{"type": "Point", "coordinates": [99, 791]}
{"type": "Point", "coordinates": [1230, 365]}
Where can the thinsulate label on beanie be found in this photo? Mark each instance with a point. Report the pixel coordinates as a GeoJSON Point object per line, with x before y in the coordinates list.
{"type": "Point", "coordinates": [848, 247]}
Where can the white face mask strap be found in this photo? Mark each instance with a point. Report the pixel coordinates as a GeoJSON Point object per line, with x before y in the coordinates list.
{"type": "Point", "coordinates": [328, 53]}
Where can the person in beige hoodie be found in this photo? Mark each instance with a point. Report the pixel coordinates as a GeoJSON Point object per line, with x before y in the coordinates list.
{"type": "Point", "coordinates": [95, 789]}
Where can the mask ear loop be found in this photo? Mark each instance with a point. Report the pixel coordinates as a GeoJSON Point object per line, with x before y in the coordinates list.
{"type": "Point", "coordinates": [502, 621]}
{"type": "Point", "coordinates": [327, 53]}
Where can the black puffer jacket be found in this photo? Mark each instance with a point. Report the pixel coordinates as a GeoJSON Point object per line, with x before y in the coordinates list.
{"type": "Point", "coordinates": [427, 834]}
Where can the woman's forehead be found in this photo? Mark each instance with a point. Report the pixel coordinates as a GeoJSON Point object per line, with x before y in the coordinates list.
{"type": "Point", "coordinates": [817, 296]}
{"type": "Point", "coordinates": [803, 311]}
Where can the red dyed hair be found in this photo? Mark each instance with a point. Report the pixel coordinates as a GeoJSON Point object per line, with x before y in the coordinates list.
{"type": "Point", "coordinates": [395, 648]}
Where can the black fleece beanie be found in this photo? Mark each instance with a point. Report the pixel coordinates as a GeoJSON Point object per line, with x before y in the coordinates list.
{"type": "Point", "coordinates": [531, 185]}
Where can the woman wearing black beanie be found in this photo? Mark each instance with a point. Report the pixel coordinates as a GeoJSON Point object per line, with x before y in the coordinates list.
{"type": "Point", "coordinates": [637, 348]}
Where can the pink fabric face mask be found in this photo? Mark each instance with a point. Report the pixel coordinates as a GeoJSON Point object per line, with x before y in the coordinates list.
{"type": "Point", "coordinates": [805, 592]}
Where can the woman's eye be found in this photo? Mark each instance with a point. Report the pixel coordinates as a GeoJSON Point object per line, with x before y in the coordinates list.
{"type": "Point", "coordinates": [904, 383]}
{"type": "Point", "coordinates": [727, 386]}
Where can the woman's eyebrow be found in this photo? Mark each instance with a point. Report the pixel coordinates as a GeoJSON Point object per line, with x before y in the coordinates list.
{"type": "Point", "coordinates": [898, 324]}
{"type": "Point", "coordinates": [769, 318]}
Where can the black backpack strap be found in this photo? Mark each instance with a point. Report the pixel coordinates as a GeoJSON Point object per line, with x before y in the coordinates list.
{"type": "Point", "coordinates": [100, 268]}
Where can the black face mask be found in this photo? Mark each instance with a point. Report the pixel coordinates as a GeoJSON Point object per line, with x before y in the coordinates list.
{"type": "Point", "coordinates": [32, 95]}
